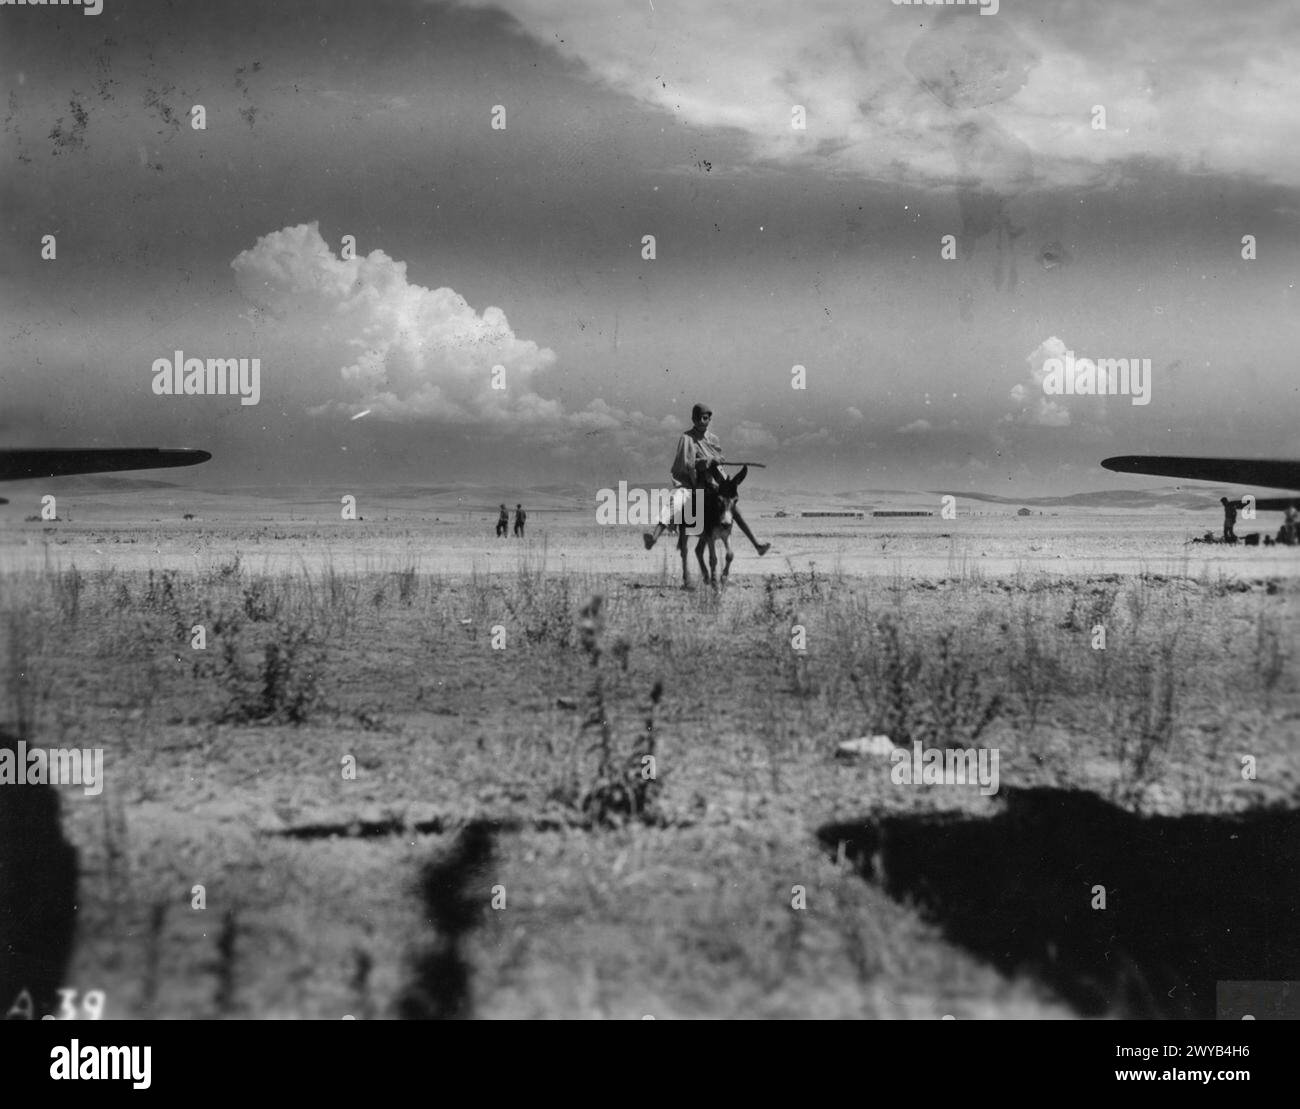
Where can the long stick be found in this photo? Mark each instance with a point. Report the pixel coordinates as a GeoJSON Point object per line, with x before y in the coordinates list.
{"type": "Point", "coordinates": [758, 465]}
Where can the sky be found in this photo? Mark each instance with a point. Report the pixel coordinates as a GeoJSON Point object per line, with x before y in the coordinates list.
{"type": "Point", "coordinates": [1096, 167]}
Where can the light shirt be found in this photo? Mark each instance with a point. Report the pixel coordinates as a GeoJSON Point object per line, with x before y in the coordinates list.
{"type": "Point", "coordinates": [693, 446]}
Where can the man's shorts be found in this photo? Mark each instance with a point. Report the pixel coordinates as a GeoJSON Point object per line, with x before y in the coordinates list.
{"type": "Point", "coordinates": [676, 507]}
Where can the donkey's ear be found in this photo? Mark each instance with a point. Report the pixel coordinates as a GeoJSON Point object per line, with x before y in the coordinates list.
{"type": "Point", "coordinates": [740, 476]}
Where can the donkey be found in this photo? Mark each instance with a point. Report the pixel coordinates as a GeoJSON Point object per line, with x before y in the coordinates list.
{"type": "Point", "coordinates": [719, 501]}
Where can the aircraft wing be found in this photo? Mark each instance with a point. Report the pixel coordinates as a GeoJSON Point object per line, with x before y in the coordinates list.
{"type": "Point", "coordinates": [1271, 473]}
{"type": "Point", "coordinates": [25, 463]}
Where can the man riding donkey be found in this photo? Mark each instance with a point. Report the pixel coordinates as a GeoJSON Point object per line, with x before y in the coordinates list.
{"type": "Point", "coordinates": [695, 466]}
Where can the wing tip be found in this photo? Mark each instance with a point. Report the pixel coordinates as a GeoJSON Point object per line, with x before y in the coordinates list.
{"type": "Point", "coordinates": [26, 463]}
{"type": "Point", "coordinates": [193, 455]}
{"type": "Point", "coordinates": [1272, 473]}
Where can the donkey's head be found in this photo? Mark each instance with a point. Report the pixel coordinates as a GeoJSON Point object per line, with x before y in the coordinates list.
{"type": "Point", "coordinates": [726, 498]}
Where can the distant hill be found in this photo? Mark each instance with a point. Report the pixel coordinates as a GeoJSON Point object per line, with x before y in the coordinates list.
{"type": "Point", "coordinates": [858, 494]}
{"type": "Point", "coordinates": [465, 495]}
{"type": "Point", "coordinates": [451, 497]}
{"type": "Point", "coordinates": [1106, 498]}
{"type": "Point", "coordinates": [105, 484]}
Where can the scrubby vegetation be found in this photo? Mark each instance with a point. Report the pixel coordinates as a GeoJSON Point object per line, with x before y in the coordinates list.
{"type": "Point", "coordinates": [534, 698]}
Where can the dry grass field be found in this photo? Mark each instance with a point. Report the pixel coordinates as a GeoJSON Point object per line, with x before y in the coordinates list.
{"type": "Point", "coordinates": [409, 766]}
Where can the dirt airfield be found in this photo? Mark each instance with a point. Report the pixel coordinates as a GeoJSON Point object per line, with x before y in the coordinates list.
{"type": "Point", "coordinates": [436, 535]}
{"type": "Point", "coordinates": [407, 766]}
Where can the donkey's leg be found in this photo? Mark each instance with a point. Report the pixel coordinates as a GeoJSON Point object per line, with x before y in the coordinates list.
{"type": "Point", "coordinates": [713, 562]}
{"type": "Point", "coordinates": [685, 552]}
{"type": "Point", "coordinates": [699, 557]}
{"type": "Point", "coordinates": [726, 566]}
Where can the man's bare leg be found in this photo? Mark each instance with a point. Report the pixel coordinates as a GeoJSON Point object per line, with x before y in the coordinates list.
{"type": "Point", "coordinates": [761, 548]}
{"type": "Point", "coordinates": [680, 494]}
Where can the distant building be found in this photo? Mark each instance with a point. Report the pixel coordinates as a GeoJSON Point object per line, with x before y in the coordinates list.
{"type": "Point", "coordinates": [1024, 512]}
{"type": "Point", "coordinates": [850, 515]}
{"type": "Point", "coordinates": [892, 512]}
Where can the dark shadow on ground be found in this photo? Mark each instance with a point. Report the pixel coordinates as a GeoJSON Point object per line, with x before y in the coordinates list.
{"type": "Point", "coordinates": [1190, 901]}
{"type": "Point", "coordinates": [38, 896]}
{"type": "Point", "coordinates": [455, 892]}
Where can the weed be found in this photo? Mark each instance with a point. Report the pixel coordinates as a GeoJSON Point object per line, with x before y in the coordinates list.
{"type": "Point", "coordinates": [260, 603]}
{"type": "Point", "coordinates": [282, 686]}
{"type": "Point", "coordinates": [68, 587]}
{"type": "Point", "coordinates": [160, 592]}
{"type": "Point", "coordinates": [938, 696]}
{"type": "Point", "coordinates": [406, 581]}
{"type": "Point", "coordinates": [1270, 657]}
{"type": "Point", "coordinates": [621, 789]}
{"type": "Point", "coordinates": [542, 609]}
{"type": "Point", "coordinates": [1143, 718]}
{"type": "Point", "coordinates": [227, 571]}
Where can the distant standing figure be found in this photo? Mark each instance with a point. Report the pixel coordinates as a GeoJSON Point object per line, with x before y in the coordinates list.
{"type": "Point", "coordinates": [503, 523]}
{"type": "Point", "coordinates": [1230, 509]}
{"type": "Point", "coordinates": [1290, 530]}
{"type": "Point", "coordinates": [521, 518]}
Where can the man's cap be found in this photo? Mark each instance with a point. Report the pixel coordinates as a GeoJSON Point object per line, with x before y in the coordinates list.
{"type": "Point", "coordinates": [700, 409]}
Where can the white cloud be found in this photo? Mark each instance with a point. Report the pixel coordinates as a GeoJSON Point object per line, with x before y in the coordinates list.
{"type": "Point", "coordinates": [418, 354]}
{"type": "Point", "coordinates": [894, 93]}
{"type": "Point", "coordinates": [915, 427]}
{"type": "Point", "coordinates": [1033, 406]}
{"type": "Point", "coordinates": [412, 354]}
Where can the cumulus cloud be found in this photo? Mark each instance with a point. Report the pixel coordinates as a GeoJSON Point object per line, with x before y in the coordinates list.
{"type": "Point", "coordinates": [413, 354]}
{"type": "Point", "coordinates": [914, 428]}
{"type": "Point", "coordinates": [1033, 406]}
{"type": "Point", "coordinates": [417, 353]}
